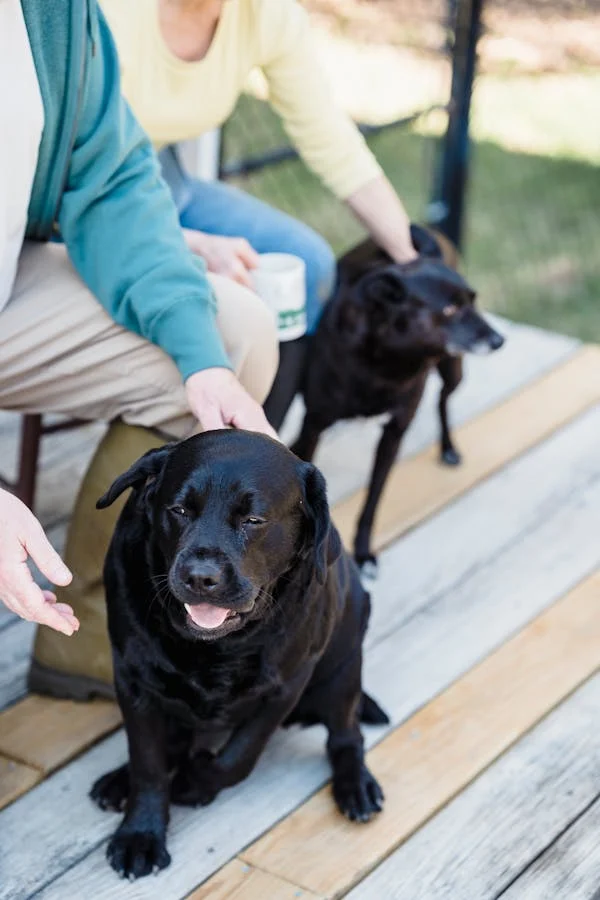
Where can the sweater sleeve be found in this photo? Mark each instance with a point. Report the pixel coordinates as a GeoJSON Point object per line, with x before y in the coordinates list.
{"type": "Point", "coordinates": [121, 230]}
{"type": "Point", "coordinates": [326, 138]}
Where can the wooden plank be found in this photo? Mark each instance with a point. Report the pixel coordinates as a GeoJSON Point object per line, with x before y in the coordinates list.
{"type": "Point", "coordinates": [239, 881]}
{"type": "Point", "coordinates": [15, 779]}
{"type": "Point", "coordinates": [47, 733]}
{"type": "Point", "coordinates": [418, 487]}
{"type": "Point", "coordinates": [569, 867]}
{"type": "Point", "coordinates": [346, 452]}
{"type": "Point", "coordinates": [482, 841]}
{"type": "Point", "coordinates": [433, 756]}
{"type": "Point", "coordinates": [501, 513]}
{"type": "Point", "coordinates": [16, 640]}
{"type": "Point", "coordinates": [57, 806]}
{"type": "Point", "coordinates": [466, 618]}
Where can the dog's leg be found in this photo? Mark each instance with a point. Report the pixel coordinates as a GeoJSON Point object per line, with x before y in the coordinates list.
{"type": "Point", "coordinates": [451, 373]}
{"type": "Point", "coordinates": [385, 456]}
{"type": "Point", "coordinates": [306, 443]}
{"type": "Point", "coordinates": [205, 775]}
{"type": "Point", "coordinates": [138, 847]}
{"type": "Point", "coordinates": [356, 791]}
{"type": "Point", "coordinates": [111, 791]}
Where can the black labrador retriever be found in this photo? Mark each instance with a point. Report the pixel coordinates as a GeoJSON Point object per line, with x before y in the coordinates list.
{"type": "Point", "coordinates": [384, 330]}
{"type": "Point", "coordinates": [232, 610]}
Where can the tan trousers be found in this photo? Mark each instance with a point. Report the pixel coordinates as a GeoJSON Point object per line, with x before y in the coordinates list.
{"type": "Point", "coordinates": [61, 352]}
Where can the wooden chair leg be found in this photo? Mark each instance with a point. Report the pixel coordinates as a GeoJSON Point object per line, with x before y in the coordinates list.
{"type": "Point", "coordinates": [31, 432]}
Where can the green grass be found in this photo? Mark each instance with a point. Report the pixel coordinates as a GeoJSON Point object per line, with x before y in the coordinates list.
{"type": "Point", "coordinates": [533, 211]}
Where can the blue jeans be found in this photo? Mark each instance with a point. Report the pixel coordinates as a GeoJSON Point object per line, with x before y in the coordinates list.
{"type": "Point", "coordinates": [218, 208]}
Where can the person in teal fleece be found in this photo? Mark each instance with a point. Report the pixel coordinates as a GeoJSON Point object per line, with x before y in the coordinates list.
{"type": "Point", "coordinates": [104, 313]}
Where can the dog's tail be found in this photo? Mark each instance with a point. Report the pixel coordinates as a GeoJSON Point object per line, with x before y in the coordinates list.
{"type": "Point", "coordinates": [371, 713]}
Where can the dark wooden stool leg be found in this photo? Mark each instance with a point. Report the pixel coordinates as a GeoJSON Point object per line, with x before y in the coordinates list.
{"type": "Point", "coordinates": [31, 432]}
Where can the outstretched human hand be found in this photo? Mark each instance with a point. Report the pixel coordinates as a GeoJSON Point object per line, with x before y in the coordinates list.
{"type": "Point", "coordinates": [22, 537]}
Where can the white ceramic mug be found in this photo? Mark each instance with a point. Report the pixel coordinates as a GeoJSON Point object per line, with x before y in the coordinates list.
{"type": "Point", "coordinates": [280, 280]}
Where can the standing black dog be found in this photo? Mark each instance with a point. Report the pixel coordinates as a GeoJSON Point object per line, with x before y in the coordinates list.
{"type": "Point", "coordinates": [386, 327]}
{"type": "Point", "coordinates": [232, 610]}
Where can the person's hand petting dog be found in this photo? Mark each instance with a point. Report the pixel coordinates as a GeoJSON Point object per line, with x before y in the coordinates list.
{"type": "Point", "coordinates": [381, 211]}
{"type": "Point", "coordinates": [218, 400]}
{"type": "Point", "coordinates": [22, 538]}
{"type": "Point", "coordinates": [229, 256]}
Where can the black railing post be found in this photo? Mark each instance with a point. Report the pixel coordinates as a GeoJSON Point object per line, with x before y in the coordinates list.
{"type": "Point", "coordinates": [446, 211]}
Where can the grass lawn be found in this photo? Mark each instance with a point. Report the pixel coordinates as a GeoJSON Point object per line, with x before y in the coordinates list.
{"type": "Point", "coordinates": [533, 219]}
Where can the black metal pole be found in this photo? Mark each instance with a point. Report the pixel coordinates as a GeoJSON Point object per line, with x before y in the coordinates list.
{"type": "Point", "coordinates": [446, 211]}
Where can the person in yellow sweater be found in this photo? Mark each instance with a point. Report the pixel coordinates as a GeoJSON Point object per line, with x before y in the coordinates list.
{"type": "Point", "coordinates": [184, 64]}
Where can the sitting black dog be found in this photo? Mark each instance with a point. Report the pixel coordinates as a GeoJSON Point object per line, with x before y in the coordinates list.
{"type": "Point", "coordinates": [386, 327]}
{"type": "Point", "coordinates": [232, 610]}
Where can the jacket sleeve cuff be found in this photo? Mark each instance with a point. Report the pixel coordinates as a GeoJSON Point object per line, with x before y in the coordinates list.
{"type": "Point", "coordinates": [188, 332]}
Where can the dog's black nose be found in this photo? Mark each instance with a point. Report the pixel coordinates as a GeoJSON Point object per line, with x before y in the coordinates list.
{"type": "Point", "coordinates": [496, 340]}
{"type": "Point", "coordinates": [203, 575]}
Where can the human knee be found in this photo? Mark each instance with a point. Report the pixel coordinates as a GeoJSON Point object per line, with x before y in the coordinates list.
{"type": "Point", "coordinates": [158, 398]}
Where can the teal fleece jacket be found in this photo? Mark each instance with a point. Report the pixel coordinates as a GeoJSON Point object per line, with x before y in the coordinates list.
{"type": "Point", "coordinates": [98, 186]}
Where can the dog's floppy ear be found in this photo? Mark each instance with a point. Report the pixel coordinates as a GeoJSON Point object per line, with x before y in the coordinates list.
{"type": "Point", "coordinates": [383, 291]}
{"type": "Point", "coordinates": [147, 466]}
{"type": "Point", "coordinates": [325, 541]}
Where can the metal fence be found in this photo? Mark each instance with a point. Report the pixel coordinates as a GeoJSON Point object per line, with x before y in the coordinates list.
{"type": "Point", "coordinates": [525, 201]}
{"type": "Point", "coordinates": [256, 155]}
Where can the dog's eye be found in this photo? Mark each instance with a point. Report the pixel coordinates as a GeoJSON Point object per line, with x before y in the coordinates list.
{"type": "Point", "coordinates": [449, 310]}
{"type": "Point", "coordinates": [180, 511]}
{"type": "Point", "coordinates": [253, 520]}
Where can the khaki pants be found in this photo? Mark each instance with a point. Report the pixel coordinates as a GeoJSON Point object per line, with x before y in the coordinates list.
{"type": "Point", "coordinates": [60, 351]}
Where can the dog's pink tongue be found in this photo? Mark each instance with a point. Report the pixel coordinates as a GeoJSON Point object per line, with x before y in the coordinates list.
{"type": "Point", "coordinates": [206, 615]}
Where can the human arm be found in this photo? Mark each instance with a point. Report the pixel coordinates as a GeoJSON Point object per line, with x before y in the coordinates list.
{"type": "Point", "coordinates": [22, 538]}
{"type": "Point", "coordinates": [377, 205]}
{"type": "Point", "coordinates": [327, 139]}
{"type": "Point", "coordinates": [121, 230]}
{"type": "Point", "coordinates": [122, 233]}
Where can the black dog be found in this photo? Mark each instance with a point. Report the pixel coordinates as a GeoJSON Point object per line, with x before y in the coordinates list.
{"type": "Point", "coordinates": [232, 610]}
{"type": "Point", "coordinates": [386, 327]}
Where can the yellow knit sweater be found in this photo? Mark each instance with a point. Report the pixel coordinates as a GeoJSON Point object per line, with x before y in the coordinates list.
{"type": "Point", "coordinates": [176, 100]}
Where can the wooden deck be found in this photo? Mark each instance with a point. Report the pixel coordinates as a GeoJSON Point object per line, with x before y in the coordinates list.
{"type": "Point", "coordinates": [484, 647]}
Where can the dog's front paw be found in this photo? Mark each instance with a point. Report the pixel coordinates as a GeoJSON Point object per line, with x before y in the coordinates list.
{"type": "Point", "coordinates": [358, 794]}
{"type": "Point", "coordinates": [134, 854]}
{"type": "Point", "coordinates": [450, 457]}
{"type": "Point", "coordinates": [367, 565]}
{"type": "Point", "coordinates": [112, 790]}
